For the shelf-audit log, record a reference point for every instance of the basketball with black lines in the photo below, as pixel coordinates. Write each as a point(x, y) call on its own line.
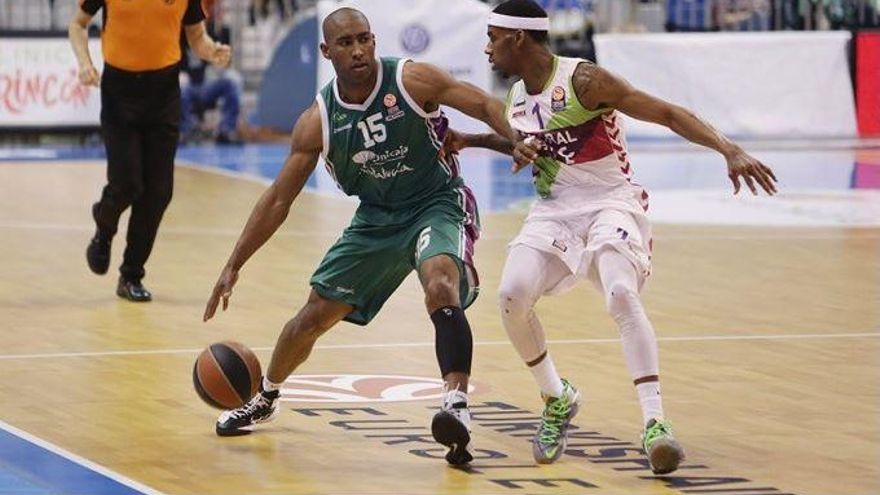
point(226, 375)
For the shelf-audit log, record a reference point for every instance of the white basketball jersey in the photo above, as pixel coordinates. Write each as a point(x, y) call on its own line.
point(584, 165)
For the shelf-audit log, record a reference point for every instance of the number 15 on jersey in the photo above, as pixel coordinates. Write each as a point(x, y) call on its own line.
point(373, 130)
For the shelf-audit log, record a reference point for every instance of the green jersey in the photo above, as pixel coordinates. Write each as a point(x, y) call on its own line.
point(385, 151)
point(414, 205)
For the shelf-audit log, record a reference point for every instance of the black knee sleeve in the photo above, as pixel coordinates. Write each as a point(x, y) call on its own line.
point(453, 341)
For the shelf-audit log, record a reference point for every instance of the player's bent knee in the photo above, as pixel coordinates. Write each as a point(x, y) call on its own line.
point(441, 290)
point(621, 299)
point(514, 302)
point(310, 323)
point(304, 327)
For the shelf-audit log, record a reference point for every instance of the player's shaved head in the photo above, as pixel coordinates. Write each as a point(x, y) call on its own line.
point(350, 46)
point(340, 17)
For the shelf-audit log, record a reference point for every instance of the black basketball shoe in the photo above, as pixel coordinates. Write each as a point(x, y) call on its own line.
point(261, 408)
point(452, 428)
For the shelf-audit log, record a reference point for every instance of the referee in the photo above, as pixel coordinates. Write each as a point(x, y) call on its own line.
point(140, 118)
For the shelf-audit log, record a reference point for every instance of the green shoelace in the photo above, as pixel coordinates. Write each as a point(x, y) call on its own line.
point(658, 430)
point(553, 418)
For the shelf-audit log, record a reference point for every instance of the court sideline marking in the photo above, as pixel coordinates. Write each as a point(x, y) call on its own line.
point(695, 338)
point(776, 235)
point(79, 461)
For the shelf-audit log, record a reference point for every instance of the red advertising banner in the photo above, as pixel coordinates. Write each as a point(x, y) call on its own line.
point(868, 83)
point(39, 86)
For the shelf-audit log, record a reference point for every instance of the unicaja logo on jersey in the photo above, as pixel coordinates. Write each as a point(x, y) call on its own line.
point(363, 157)
point(557, 99)
point(361, 388)
point(383, 166)
point(415, 39)
point(367, 157)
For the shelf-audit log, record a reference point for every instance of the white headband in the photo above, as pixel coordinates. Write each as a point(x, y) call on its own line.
point(512, 22)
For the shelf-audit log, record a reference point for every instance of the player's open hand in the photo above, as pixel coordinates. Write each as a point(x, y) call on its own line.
point(742, 165)
point(525, 152)
point(88, 75)
point(221, 56)
point(222, 290)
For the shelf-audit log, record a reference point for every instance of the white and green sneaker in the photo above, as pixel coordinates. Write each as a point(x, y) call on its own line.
point(549, 443)
point(663, 451)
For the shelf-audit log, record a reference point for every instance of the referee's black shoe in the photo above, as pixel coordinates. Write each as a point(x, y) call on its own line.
point(98, 255)
point(98, 252)
point(133, 290)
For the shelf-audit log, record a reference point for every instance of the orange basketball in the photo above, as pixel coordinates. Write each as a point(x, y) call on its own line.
point(226, 375)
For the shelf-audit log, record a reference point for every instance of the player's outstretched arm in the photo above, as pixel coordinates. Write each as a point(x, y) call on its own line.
point(597, 87)
point(456, 141)
point(431, 86)
point(523, 152)
point(273, 206)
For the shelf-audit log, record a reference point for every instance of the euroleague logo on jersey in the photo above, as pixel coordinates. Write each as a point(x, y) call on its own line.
point(557, 99)
point(362, 388)
point(393, 112)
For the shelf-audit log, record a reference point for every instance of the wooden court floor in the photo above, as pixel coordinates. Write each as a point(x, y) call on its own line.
point(769, 340)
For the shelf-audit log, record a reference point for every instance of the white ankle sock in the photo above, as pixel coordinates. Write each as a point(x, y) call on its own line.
point(269, 386)
point(650, 400)
point(547, 377)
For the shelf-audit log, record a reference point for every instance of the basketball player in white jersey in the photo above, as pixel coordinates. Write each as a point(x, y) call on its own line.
point(589, 220)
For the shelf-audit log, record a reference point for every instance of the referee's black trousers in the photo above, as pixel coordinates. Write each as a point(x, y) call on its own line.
point(140, 120)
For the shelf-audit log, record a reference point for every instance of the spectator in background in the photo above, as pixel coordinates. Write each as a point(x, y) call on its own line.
point(794, 15)
point(691, 15)
point(852, 14)
point(262, 7)
point(743, 15)
point(572, 27)
point(202, 88)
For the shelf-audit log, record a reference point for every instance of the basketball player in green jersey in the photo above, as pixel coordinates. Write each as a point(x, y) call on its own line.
point(589, 220)
point(379, 128)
